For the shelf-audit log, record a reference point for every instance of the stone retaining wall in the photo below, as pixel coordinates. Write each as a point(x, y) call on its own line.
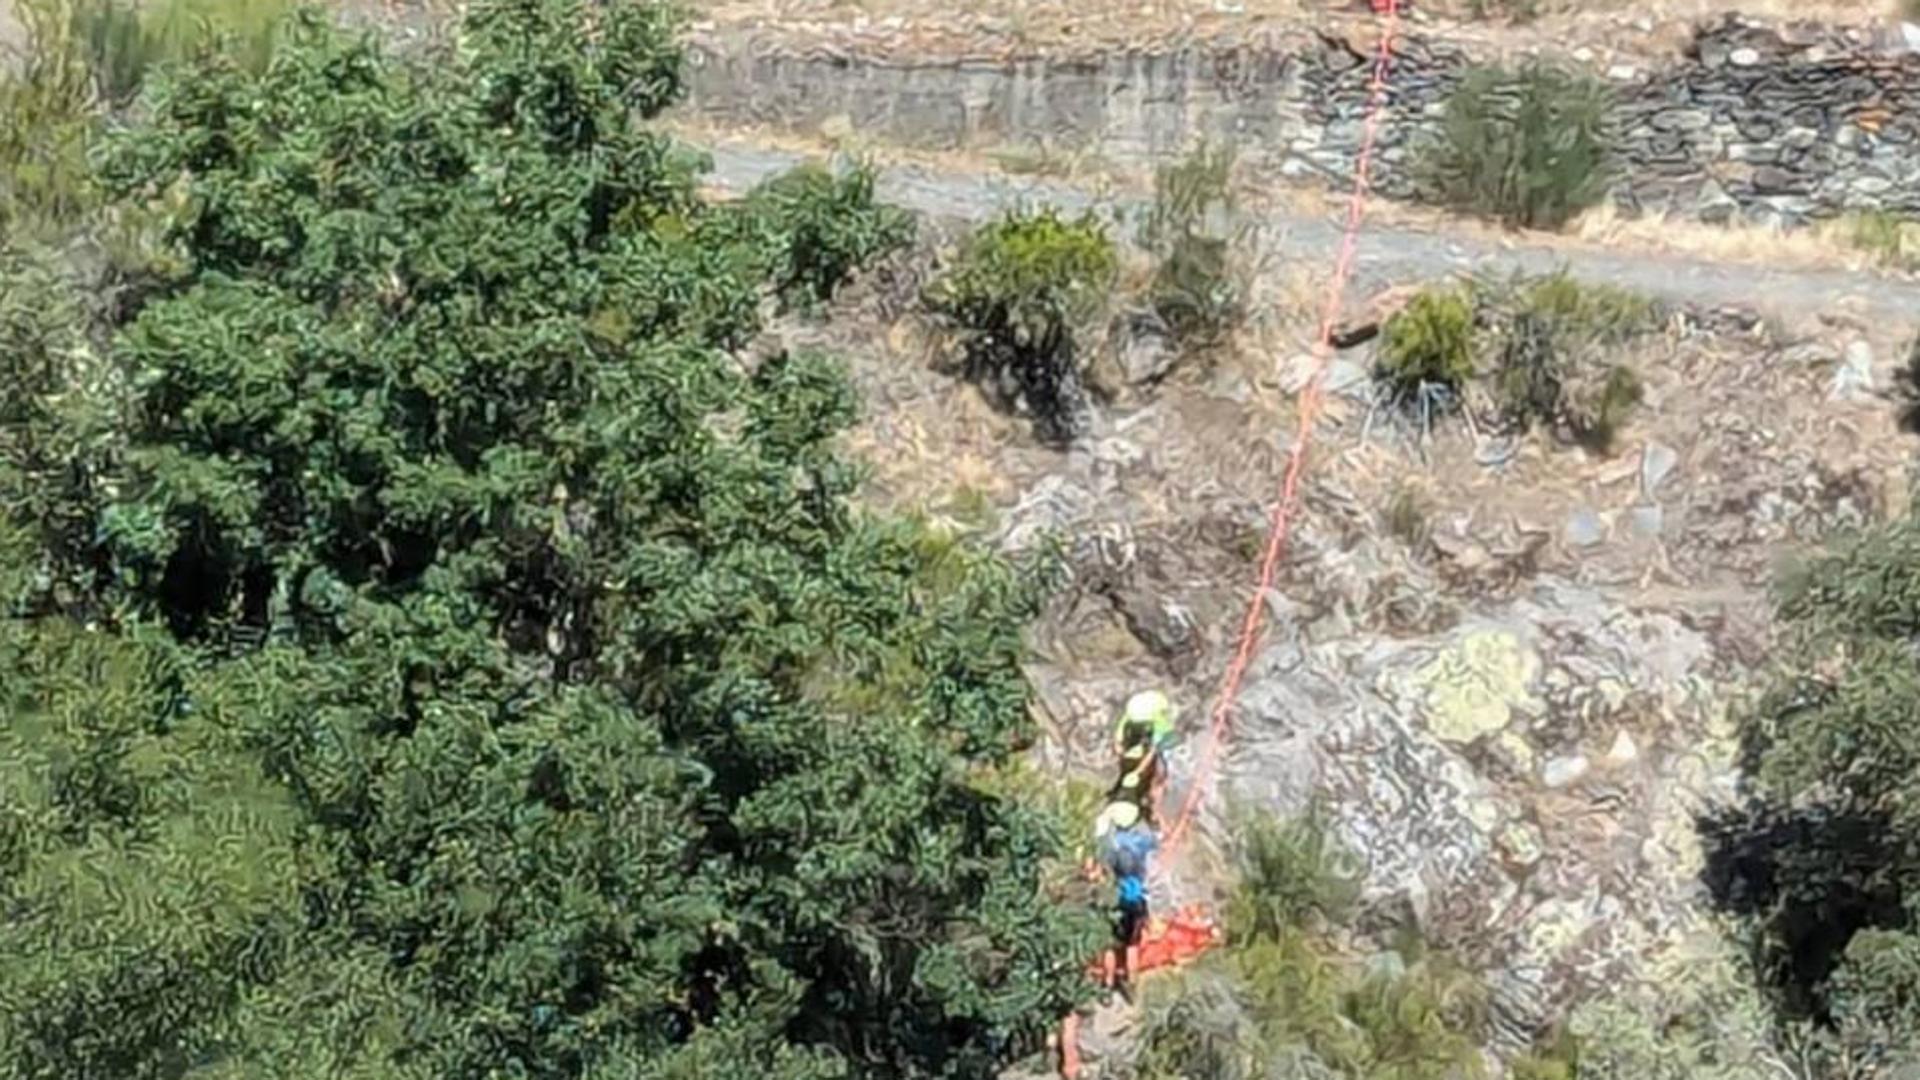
point(1766, 124)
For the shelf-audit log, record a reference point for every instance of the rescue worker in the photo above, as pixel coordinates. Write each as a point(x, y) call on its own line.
point(1140, 740)
point(1126, 844)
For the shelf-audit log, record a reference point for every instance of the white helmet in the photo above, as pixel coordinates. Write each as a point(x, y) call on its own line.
point(1117, 815)
point(1149, 706)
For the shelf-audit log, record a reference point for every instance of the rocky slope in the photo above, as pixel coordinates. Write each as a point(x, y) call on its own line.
point(1518, 708)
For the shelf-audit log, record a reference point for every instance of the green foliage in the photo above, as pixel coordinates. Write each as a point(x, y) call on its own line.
point(1285, 993)
point(1552, 363)
point(1559, 1059)
point(125, 42)
point(1597, 312)
point(1024, 289)
point(84, 57)
point(1198, 287)
point(1291, 874)
point(1430, 341)
point(48, 110)
point(1695, 1015)
point(489, 674)
point(1834, 750)
point(1529, 148)
point(827, 224)
point(150, 867)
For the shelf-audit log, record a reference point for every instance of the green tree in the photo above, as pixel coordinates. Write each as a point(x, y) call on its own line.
point(549, 710)
point(1829, 863)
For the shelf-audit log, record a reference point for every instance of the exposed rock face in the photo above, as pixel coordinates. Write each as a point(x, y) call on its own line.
point(1524, 785)
point(1770, 125)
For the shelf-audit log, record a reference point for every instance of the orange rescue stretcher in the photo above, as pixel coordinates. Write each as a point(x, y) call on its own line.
point(1164, 942)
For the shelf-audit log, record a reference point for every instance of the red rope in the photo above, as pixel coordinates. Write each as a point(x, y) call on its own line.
point(1283, 511)
point(1309, 406)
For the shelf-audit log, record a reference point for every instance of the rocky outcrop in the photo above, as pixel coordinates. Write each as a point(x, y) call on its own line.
point(1781, 125)
point(1523, 785)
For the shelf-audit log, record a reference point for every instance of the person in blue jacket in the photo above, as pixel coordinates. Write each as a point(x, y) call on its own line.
point(1126, 846)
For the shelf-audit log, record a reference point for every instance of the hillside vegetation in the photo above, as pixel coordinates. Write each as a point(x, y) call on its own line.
point(434, 648)
point(439, 635)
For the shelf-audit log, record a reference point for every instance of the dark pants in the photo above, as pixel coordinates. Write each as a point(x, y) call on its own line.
point(1127, 927)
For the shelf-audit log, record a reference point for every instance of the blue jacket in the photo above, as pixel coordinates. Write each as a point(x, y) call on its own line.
point(1127, 853)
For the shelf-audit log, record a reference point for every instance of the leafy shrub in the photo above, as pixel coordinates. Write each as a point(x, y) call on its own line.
point(1429, 342)
point(1024, 289)
point(1558, 1059)
point(1695, 1014)
point(1197, 287)
point(1551, 365)
point(1527, 148)
point(1595, 312)
point(826, 224)
point(1291, 874)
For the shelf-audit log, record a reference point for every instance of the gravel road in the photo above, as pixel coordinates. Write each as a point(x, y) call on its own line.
point(1389, 254)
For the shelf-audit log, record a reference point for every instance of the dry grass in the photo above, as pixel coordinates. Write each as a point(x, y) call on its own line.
point(1849, 243)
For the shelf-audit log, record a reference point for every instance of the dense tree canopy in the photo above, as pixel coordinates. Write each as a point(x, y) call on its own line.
point(436, 647)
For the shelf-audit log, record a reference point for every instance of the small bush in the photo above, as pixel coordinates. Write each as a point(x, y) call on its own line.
point(826, 225)
point(1429, 342)
point(1023, 291)
point(1290, 873)
point(1551, 363)
point(125, 46)
point(1285, 1001)
point(1556, 1059)
point(1599, 313)
point(1526, 148)
point(1197, 289)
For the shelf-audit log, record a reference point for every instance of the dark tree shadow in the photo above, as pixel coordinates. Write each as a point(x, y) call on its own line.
point(1809, 879)
point(1908, 390)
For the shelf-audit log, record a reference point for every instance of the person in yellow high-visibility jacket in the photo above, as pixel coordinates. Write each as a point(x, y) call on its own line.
point(1140, 739)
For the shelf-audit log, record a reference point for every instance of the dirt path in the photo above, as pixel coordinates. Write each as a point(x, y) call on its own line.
point(1391, 254)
